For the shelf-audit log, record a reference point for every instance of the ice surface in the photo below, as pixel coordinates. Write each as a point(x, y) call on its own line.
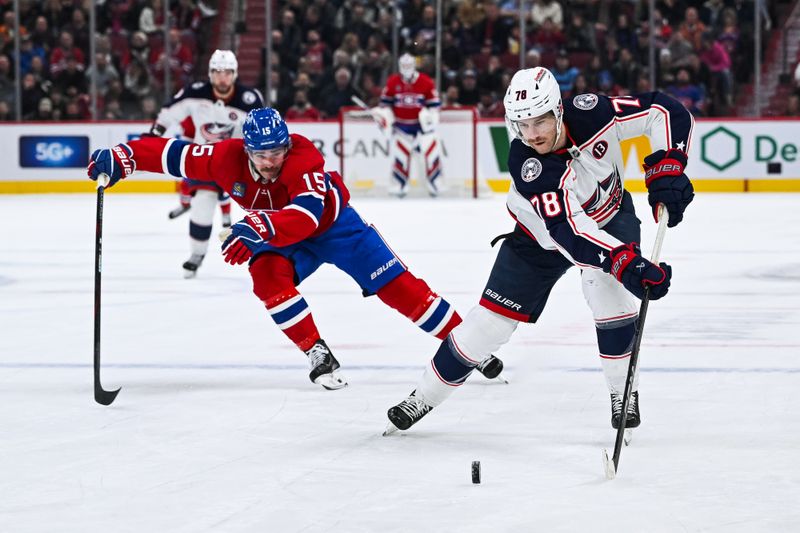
point(217, 427)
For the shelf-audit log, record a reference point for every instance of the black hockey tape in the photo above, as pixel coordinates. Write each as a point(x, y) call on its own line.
point(476, 472)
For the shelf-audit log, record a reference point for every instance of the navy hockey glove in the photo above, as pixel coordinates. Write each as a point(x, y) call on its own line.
point(635, 272)
point(116, 163)
point(246, 236)
point(667, 184)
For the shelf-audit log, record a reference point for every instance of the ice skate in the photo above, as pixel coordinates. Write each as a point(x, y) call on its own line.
point(633, 419)
point(191, 265)
point(178, 211)
point(491, 368)
point(324, 366)
point(406, 413)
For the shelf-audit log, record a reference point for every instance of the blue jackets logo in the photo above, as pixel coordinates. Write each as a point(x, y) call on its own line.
point(53, 151)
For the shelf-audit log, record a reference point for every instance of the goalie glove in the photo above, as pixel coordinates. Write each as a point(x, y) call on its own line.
point(246, 236)
point(116, 163)
point(428, 119)
point(667, 184)
point(384, 118)
point(635, 272)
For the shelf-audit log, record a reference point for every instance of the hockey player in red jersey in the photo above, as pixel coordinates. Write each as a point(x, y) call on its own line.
point(216, 109)
point(570, 207)
point(409, 115)
point(299, 217)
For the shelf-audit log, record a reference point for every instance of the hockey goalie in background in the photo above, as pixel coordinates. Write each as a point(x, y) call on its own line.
point(409, 115)
point(217, 108)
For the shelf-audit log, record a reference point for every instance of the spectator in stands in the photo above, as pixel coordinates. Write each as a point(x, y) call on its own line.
point(341, 59)
point(6, 79)
point(672, 10)
point(593, 71)
point(187, 15)
point(564, 73)
point(711, 14)
point(377, 59)
point(580, 86)
point(149, 108)
point(687, 93)
point(41, 35)
point(180, 62)
point(643, 84)
point(103, 72)
point(468, 92)
point(493, 31)
point(151, 17)
point(137, 82)
point(352, 48)
point(451, 97)
point(580, 36)
point(5, 112)
point(547, 9)
point(72, 78)
point(28, 51)
point(32, 92)
point(625, 34)
point(316, 54)
point(79, 29)
point(716, 58)
point(680, 50)
point(7, 32)
point(533, 58)
point(625, 71)
point(362, 26)
point(607, 86)
point(289, 45)
point(370, 91)
point(302, 108)
point(491, 79)
point(489, 106)
point(692, 28)
point(66, 48)
point(339, 94)
point(548, 38)
point(44, 110)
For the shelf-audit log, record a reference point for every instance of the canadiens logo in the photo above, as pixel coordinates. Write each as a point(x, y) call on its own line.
point(239, 189)
point(531, 169)
point(599, 149)
point(585, 101)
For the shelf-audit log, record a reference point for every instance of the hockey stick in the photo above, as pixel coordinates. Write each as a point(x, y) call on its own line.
point(359, 102)
point(611, 466)
point(101, 396)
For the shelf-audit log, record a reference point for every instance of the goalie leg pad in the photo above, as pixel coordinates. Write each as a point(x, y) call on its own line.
point(402, 150)
point(412, 297)
point(431, 154)
point(273, 284)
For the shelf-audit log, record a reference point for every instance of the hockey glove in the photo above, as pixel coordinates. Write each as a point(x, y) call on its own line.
point(246, 236)
point(116, 163)
point(635, 272)
point(667, 184)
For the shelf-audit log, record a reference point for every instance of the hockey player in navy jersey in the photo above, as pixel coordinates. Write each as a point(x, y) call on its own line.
point(299, 217)
point(217, 109)
point(570, 207)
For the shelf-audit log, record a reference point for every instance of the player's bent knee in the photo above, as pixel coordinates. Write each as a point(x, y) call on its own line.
point(272, 274)
point(481, 333)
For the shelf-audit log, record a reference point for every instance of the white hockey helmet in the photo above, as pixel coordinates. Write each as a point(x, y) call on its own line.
point(407, 65)
point(223, 60)
point(533, 92)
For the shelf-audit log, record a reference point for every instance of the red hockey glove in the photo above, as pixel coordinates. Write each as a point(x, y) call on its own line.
point(667, 184)
point(635, 272)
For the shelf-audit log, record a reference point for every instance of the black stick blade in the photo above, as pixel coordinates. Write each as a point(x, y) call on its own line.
point(104, 397)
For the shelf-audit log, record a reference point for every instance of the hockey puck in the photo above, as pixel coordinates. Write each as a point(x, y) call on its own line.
point(476, 472)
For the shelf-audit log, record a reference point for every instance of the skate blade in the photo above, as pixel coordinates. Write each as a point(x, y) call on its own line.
point(332, 381)
point(608, 466)
point(189, 274)
point(501, 378)
point(390, 428)
point(627, 437)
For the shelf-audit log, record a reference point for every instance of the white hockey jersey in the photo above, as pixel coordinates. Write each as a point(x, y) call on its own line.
point(563, 199)
point(214, 120)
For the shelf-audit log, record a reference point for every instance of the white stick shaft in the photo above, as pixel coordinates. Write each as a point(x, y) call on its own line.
point(663, 218)
point(359, 102)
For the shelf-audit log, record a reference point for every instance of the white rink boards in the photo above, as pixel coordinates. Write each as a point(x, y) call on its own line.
point(217, 427)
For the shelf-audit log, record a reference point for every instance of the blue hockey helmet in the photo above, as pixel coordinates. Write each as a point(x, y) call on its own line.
point(264, 129)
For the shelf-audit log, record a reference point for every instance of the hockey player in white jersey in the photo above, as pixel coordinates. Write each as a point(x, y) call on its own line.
point(570, 207)
point(217, 108)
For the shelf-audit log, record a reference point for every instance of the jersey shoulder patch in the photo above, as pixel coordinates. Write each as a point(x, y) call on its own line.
point(586, 114)
point(534, 173)
point(247, 98)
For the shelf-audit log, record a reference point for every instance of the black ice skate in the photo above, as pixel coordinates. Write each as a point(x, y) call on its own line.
point(178, 211)
point(633, 419)
point(324, 366)
point(406, 413)
point(491, 367)
point(191, 265)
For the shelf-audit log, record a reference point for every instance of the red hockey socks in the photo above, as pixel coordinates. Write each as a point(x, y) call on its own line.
point(413, 298)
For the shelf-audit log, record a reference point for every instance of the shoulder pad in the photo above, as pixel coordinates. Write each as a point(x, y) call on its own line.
point(534, 173)
point(586, 114)
point(246, 98)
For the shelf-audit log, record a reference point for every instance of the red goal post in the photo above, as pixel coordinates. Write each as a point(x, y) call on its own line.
point(366, 163)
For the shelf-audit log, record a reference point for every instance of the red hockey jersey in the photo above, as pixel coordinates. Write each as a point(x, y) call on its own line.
point(302, 202)
point(406, 99)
